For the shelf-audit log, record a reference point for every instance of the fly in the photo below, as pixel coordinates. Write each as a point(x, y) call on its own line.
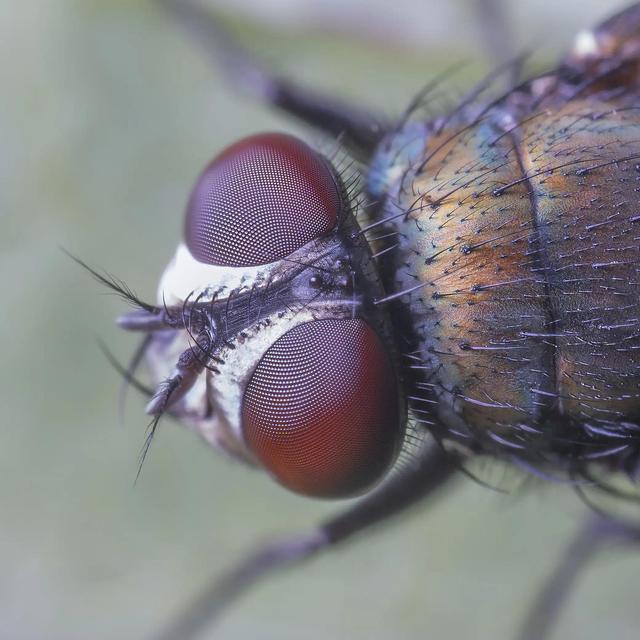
point(479, 296)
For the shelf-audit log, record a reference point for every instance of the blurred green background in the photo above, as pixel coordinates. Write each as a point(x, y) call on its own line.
point(108, 114)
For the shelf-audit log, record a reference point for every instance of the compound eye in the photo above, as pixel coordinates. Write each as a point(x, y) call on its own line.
point(259, 201)
point(321, 411)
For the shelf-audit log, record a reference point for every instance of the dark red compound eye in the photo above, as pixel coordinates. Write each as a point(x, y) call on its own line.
point(321, 410)
point(259, 201)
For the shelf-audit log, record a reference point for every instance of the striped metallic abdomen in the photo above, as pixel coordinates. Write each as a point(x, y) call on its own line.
point(520, 254)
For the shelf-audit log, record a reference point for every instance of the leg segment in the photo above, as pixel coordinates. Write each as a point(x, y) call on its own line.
point(421, 479)
point(358, 130)
point(548, 605)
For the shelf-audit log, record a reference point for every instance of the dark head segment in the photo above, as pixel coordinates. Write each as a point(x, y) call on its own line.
point(259, 201)
point(321, 410)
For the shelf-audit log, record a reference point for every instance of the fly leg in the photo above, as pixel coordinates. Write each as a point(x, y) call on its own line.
point(421, 479)
point(592, 536)
point(359, 130)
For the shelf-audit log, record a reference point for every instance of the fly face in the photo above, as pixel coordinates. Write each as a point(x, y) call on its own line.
point(274, 349)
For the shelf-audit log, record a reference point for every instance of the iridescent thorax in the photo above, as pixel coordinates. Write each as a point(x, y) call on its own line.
point(518, 252)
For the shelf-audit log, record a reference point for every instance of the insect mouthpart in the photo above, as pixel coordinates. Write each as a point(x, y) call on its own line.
point(266, 339)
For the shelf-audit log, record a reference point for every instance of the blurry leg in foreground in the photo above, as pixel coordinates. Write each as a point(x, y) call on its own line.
point(416, 481)
point(359, 130)
point(595, 532)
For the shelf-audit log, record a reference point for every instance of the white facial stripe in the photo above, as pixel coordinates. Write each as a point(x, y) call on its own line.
point(227, 388)
point(185, 276)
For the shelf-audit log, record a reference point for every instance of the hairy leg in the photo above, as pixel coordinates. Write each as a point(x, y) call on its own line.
point(359, 130)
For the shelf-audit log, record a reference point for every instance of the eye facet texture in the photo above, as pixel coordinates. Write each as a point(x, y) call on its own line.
point(260, 200)
point(321, 409)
